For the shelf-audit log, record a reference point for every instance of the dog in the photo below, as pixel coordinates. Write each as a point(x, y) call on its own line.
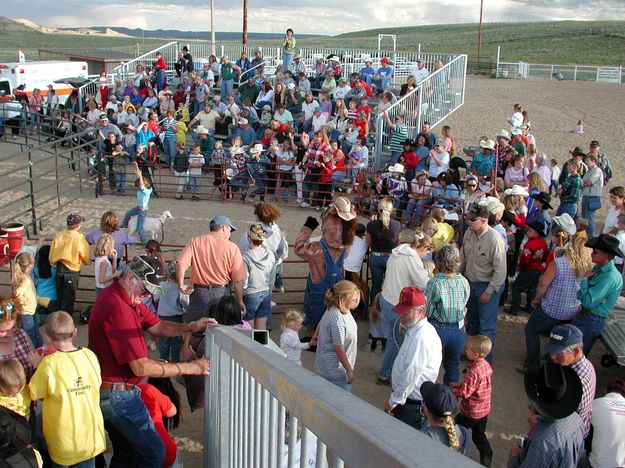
point(150, 225)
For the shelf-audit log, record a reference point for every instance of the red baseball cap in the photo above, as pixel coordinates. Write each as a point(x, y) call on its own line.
point(384, 60)
point(409, 298)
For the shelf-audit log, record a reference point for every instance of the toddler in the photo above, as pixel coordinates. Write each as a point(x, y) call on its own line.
point(581, 226)
point(475, 393)
point(289, 339)
point(68, 381)
point(105, 270)
point(13, 391)
point(378, 328)
point(171, 305)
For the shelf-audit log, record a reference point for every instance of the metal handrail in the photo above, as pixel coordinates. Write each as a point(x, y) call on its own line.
point(81, 92)
point(261, 64)
point(249, 391)
point(117, 70)
point(415, 96)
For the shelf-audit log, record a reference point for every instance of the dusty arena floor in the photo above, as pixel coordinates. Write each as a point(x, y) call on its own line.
point(554, 107)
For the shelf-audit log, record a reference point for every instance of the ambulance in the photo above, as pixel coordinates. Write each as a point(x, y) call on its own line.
point(39, 75)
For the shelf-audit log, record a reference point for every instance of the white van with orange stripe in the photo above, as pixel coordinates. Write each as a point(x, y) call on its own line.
point(41, 74)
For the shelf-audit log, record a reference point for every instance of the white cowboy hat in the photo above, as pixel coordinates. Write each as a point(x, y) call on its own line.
point(503, 134)
point(487, 144)
point(243, 121)
point(517, 190)
point(343, 208)
point(565, 222)
point(396, 168)
point(517, 131)
point(236, 150)
point(201, 130)
point(257, 148)
point(334, 58)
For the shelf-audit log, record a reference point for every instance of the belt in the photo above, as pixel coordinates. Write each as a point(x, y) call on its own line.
point(381, 254)
point(210, 286)
point(117, 386)
point(410, 401)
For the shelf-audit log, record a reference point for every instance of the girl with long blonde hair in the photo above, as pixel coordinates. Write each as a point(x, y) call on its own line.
point(25, 294)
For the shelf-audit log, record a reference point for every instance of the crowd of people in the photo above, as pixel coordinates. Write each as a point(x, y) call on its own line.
point(482, 236)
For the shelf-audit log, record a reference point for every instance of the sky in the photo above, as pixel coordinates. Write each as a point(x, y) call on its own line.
point(303, 16)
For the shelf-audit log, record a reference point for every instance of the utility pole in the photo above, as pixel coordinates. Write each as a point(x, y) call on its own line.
point(213, 24)
point(244, 24)
point(479, 36)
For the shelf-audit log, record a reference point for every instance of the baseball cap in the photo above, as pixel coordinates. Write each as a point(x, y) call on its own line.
point(594, 143)
point(563, 336)
point(478, 212)
point(439, 399)
point(221, 220)
point(73, 219)
point(149, 270)
point(409, 298)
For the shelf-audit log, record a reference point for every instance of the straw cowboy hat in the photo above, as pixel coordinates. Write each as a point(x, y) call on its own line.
point(201, 130)
point(343, 208)
point(503, 134)
point(555, 391)
point(487, 144)
point(517, 190)
point(396, 168)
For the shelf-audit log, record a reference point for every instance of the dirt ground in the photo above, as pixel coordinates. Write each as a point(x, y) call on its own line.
point(554, 107)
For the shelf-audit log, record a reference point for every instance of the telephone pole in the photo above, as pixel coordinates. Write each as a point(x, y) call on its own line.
point(244, 24)
point(479, 37)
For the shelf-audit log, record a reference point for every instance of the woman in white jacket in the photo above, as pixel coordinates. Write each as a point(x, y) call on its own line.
point(404, 268)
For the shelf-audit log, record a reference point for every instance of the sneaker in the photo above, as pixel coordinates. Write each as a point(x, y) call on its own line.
point(382, 381)
point(305, 205)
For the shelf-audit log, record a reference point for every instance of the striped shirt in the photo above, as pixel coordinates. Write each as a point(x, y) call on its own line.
point(476, 390)
point(169, 127)
point(335, 329)
point(398, 136)
point(560, 299)
point(447, 297)
point(588, 376)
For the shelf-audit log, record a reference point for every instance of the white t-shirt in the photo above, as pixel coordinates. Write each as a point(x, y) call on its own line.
point(195, 159)
point(545, 174)
point(515, 121)
point(555, 173)
point(608, 421)
point(434, 170)
point(621, 239)
point(341, 91)
point(108, 272)
point(357, 252)
point(292, 346)
point(420, 75)
point(611, 219)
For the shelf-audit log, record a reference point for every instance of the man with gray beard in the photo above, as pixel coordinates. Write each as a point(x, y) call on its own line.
point(418, 360)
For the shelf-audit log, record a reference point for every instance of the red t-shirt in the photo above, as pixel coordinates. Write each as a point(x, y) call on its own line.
point(409, 159)
point(157, 405)
point(366, 109)
point(161, 64)
point(116, 329)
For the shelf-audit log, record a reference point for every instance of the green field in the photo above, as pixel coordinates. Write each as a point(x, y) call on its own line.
point(564, 42)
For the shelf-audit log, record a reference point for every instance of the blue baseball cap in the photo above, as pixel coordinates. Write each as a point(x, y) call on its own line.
point(439, 399)
point(563, 336)
point(221, 220)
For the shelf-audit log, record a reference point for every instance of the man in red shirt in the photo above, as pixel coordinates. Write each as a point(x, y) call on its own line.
point(160, 66)
point(116, 335)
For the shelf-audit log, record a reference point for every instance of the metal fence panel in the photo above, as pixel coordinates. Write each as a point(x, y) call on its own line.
point(318, 412)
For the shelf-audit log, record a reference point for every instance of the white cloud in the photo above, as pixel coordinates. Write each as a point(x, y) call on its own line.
point(326, 17)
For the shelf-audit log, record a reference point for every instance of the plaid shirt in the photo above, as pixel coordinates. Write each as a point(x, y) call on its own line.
point(587, 375)
point(316, 153)
point(476, 390)
point(572, 189)
point(447, 297)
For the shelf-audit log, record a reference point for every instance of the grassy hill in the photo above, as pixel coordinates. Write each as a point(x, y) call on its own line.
point(574, 42)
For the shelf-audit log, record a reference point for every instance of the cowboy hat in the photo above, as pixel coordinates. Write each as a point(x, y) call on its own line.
point(343, 208)
point(149, 270)
point(396, 168)
point(487, 144)
point(577, 151)
point(234, 150)
point(565, 222)
point(257, 148)
point(334, 58)
point(555, 391)
point(409, 141)
point(538, 227)
point(605, 243)
point(544, 198)
point(503, 134)
point(517, 190)
point(201, 129)
point(517, 131)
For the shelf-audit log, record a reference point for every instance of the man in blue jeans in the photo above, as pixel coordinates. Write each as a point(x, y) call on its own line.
point(116, 335)
point(483, 258)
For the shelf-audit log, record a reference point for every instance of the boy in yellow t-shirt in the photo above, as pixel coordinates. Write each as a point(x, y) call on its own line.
point(13, 392)
point(68, 381)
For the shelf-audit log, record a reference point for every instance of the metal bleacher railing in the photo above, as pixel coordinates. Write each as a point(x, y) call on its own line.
point(262, 410)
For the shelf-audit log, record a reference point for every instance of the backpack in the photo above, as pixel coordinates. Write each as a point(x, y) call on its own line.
point(181, 162)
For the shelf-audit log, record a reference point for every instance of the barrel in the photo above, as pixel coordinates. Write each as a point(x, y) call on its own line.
point(4, 248)
point(15, 237)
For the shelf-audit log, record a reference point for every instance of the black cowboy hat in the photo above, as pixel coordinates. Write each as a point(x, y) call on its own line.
point(554, 390)
point(538, 227)
point(577, 151)
point(409, 141)
point(605, 243)
point(544, 198)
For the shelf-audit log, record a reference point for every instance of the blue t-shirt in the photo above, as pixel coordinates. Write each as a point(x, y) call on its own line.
point(143, 197)
point(46, 287)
